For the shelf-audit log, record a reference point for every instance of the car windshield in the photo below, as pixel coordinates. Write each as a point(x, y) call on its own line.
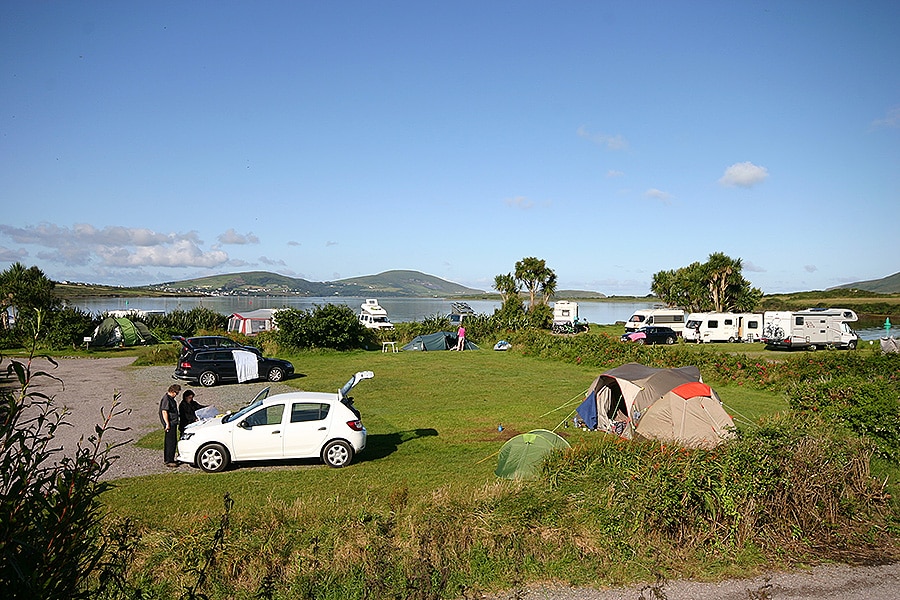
point(243, 411)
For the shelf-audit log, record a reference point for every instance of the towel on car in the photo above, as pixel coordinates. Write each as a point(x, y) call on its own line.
point(247, 365)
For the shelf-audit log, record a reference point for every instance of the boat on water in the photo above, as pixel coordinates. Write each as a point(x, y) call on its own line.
point(373, 316)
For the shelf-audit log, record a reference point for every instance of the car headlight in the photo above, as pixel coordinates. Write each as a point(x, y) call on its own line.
point(187, 435)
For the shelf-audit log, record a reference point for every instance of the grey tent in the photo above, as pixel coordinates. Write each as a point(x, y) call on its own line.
point(620, 399)
point(442, 340)
point(121, 331)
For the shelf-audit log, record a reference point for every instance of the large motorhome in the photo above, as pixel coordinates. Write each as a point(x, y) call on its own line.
point(660, 317)
point(723, 327)
point(373, 316)
point(811, 328)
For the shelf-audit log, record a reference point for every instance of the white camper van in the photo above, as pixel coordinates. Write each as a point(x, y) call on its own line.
point(811, 328)
point(373, 316)
point(723, 327)
point(660, 317)
point(565, 317)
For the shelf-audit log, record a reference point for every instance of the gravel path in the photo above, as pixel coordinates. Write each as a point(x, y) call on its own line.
point(87, 388)
point(88, 385)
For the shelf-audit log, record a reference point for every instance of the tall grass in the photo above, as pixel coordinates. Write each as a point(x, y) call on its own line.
point(420, 513)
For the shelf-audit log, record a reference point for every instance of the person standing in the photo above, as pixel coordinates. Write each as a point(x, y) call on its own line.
point(187, 410)
point(168, 416)
point(461, 338)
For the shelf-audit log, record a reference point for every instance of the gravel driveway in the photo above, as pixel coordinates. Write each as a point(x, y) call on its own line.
point(88, 386)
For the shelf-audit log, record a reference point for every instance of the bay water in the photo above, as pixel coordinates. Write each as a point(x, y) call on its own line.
point(400, 310)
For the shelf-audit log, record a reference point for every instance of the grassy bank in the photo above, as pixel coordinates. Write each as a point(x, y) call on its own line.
point(420, 513)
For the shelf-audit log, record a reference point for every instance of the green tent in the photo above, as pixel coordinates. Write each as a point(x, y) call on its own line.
point(121, 331)
point(521, 456)
point(442, 340)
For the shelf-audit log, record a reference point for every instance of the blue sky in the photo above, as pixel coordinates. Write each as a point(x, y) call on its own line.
point(158, 141)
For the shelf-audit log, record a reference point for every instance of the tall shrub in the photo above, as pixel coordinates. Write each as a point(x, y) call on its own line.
point(52, 543)
point(324, 326)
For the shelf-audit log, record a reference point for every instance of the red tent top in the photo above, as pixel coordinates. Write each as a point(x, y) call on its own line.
point(693, 388)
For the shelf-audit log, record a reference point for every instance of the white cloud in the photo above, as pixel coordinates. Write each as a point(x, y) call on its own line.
point(10, 255)
point(114, 246)
point(233, 237)
point(182, 253)
point(610, 142)
point(744, 174)
point(520, 202)
point(810, 268)
point(293, 243)
point(891, 119)
point(749, 266)
point(658, 195)
point(614, 173)
point(271, 263)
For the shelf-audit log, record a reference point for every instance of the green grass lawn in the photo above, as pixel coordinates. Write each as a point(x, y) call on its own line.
point(433, 421)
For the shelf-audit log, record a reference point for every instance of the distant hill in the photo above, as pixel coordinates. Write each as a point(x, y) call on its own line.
point(885, 285)
point(577, 295)
point(389, 283)
point(409, 283)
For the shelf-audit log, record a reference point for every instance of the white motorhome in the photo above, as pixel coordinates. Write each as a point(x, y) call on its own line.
point(565, 317)
point(723, 327)
point(373, 316)
point(811, 328)
point(660, 317)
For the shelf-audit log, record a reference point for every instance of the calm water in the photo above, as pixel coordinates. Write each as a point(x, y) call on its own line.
point(400, 310)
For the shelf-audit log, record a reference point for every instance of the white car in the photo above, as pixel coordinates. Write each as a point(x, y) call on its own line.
point(292, 425)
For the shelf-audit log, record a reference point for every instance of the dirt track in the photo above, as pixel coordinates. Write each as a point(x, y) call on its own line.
point(88, 385)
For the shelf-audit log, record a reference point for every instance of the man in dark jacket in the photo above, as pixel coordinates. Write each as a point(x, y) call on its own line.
point(168, 416)
point(187, 410)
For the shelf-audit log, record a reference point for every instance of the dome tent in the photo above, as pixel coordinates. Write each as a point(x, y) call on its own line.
point(690, 414)
point(620, 399)
point(442, 340)
point(521, 456)
point(121, 331)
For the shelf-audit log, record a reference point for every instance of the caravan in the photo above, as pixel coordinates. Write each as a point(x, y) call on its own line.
point(723, 327)
point(811, 328)
point(660, 317)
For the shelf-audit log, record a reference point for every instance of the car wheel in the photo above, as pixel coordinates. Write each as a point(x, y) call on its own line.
point(812, 348)
point(640, 341)
point(731, 340)
point(337, 454)
point(208, 379)
point(213, 458)
point(276, 374)
point(851, 345)
point(670, 340)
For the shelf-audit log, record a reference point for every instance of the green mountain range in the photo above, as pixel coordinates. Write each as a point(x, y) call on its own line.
point(885, 285)
point(389, 283)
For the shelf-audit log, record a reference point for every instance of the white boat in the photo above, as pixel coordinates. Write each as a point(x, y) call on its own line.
point(373, 316)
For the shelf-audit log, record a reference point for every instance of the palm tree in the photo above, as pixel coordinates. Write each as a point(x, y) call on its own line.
point(535, 277)
point(507, 286)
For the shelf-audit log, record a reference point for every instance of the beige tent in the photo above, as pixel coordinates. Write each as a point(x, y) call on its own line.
point(619, 399)
point(690, 414)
